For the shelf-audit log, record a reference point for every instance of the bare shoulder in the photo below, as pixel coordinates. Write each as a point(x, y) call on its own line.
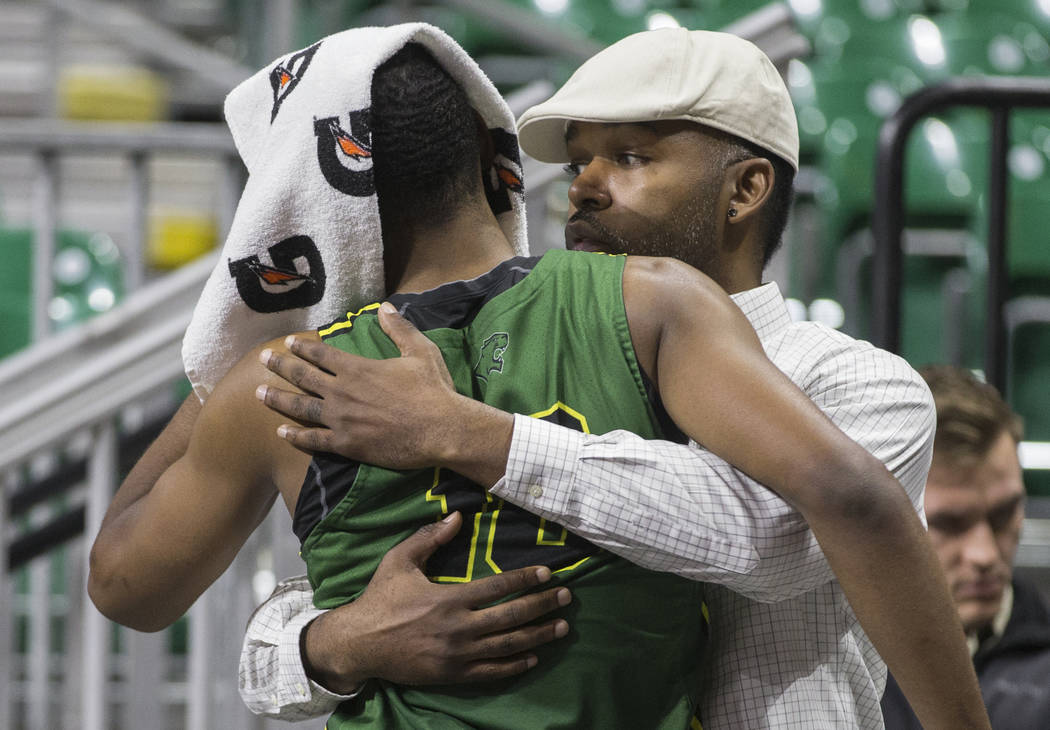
point(236, 424)
point(656, 293)
point(661, 270)
point(250, 372)
point(660, 289)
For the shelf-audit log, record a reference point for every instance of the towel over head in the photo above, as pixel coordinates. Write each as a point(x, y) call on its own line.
point(305, 246)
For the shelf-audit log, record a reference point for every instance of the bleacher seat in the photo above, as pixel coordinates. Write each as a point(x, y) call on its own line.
point(87, 277)
point(118, 93)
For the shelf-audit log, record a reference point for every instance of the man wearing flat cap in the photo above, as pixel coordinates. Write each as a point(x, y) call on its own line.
point(685, 144)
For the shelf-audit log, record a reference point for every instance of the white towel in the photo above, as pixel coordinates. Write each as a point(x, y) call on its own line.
point(305, 245)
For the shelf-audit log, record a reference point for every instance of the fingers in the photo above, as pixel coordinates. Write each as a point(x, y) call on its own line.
point(522, 610)
point(301, 407)
point(487, 671)
point(299, 373)
point(310, 440)
point(408, 339)
point(318, 353)
point(507, 654)
point(497, 587)
point(519, 641)
point(428, 538)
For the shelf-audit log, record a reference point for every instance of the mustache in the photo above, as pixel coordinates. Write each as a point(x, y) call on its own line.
point(607, 234)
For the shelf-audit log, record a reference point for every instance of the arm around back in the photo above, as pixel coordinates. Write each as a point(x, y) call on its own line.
point(722, 391)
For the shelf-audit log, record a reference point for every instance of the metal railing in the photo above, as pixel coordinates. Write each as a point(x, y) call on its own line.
point(1000, 95)
point(49, 140)
point(79, 382)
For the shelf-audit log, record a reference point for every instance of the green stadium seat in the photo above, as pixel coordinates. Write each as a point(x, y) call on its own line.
point(87, 276)
point(928, 334)
point(1028, 218)
point(990, 42)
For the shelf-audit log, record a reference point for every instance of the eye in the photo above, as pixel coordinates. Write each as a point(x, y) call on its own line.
point(573, 169)
point(629, 159)
point(1001, 518)
point(948, 524)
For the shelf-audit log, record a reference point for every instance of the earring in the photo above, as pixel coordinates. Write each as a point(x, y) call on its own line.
point(732, 212)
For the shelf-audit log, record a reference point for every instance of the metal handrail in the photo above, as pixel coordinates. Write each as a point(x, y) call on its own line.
point(50, 139)
point(1000, 95)
point(61, 136)
point(85, 375)
point(154, 41)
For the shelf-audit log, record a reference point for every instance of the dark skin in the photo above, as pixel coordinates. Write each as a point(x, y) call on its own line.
point(630, 179)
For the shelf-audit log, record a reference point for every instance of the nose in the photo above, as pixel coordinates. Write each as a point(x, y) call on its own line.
point(981, 549)
point(590, 190)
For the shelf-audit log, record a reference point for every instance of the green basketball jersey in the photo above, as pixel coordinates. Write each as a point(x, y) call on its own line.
point(545, 337)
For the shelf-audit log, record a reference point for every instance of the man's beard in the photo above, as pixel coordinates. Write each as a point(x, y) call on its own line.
point(687, 235)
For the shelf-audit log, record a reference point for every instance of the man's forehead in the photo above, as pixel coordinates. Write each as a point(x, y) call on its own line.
point(961, 491)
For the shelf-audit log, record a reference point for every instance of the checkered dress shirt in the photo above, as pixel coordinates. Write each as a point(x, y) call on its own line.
point(785, 650)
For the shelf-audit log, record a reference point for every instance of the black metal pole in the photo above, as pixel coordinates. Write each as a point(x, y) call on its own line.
point(998, 284)
point(887, 226)
point(998, 93)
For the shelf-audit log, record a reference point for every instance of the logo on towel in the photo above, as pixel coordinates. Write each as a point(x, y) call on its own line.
point(345, 153)
point(505, 176)
point(287, 74)
point(294, 279)
point(490, 360)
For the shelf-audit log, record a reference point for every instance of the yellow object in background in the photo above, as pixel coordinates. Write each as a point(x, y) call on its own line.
point(178, 239)
point(112, 93)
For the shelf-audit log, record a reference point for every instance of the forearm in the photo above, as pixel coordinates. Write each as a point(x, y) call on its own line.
point(893, 581)
point(342, 671)
point(664, 506)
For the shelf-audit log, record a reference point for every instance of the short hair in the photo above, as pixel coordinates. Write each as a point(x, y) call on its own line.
point(971, 415)
point(426, 154)
point(777, 209)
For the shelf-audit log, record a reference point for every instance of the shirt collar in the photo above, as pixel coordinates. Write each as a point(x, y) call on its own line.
point(764, 307)
point(1006, 607)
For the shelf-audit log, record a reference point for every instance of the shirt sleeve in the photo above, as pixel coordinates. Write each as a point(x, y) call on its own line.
point(681, 509)
point(271, 677)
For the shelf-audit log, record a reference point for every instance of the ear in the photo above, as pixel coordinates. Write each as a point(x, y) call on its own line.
point(753, 185)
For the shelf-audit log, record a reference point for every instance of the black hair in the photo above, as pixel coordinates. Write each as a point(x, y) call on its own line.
point(971, 416)
point(424, 139)
point(777, 209)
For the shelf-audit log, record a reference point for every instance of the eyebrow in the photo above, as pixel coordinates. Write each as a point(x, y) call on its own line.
point(1005, 505)
point(1008, 504)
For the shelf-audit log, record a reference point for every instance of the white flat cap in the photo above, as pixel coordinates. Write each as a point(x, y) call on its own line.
point(715, 79)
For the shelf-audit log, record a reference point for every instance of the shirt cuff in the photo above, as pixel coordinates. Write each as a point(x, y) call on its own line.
point(293, 683)
point(540, 465)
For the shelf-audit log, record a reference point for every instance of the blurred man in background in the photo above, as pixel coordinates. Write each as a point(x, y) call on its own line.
point(975, 507)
